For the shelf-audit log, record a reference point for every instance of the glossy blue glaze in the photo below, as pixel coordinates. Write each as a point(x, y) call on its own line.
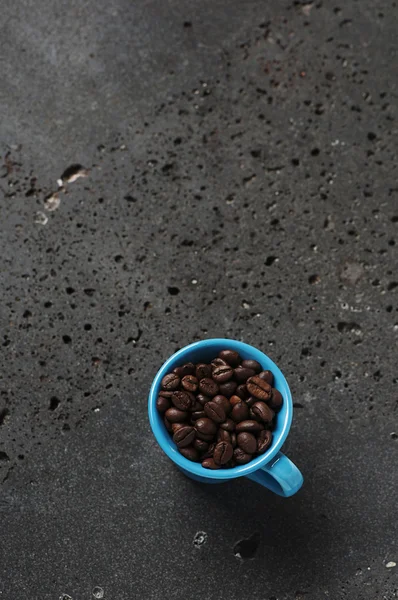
point(272, 469)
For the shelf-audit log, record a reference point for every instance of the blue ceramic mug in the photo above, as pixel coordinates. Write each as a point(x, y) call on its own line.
point(272, 469)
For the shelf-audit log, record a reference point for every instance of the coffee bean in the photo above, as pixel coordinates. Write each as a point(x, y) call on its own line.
point(228, 388)
point(250, 401)
point(262, 412)
point(190, 453)
point(267, 376)
point(276, 399)
point(223, 436)
point(241, 457)
point(187, 369)
point(200, 445)
point(170, 382)
point(252, 364)
point(181, 400)
point(165, 394)
point(242, 392)
point(231, 357)
point(247, 442)
point(214, 411)
point(209, 463)
point(167, 424)
point(235, 400)
point(184, 436)
point(208, 387)
point(189, 383)
point(202, 399)
point(223, 373)
point(162, 404)
point(176, 426)
point(198, 414)
point(222, 453)
point(218, 362)
point(224, 402)
point(202, 371)
point(259, 388)
point(240, 412)
point(242, 374)
point(234, 440)
point(264, 441)
point(196, 406)
point(205, 426)
point(249, 425)
point(209, 452)
point(228, 425)
point(174, 415)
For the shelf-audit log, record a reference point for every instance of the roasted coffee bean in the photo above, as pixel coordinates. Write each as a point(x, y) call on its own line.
point(200, 445)
point(241, 457)
point(162, 404)
point(218, 362)
point(176, 426)
point(249, 425)
point(209, 452)
point(196, 406)
point(167, 424)
point(235, 400)
point(276, 400)
point(202, 399)
point(228, 389)
point(259, 388)
point(204, 436)
point(228, 425)
point(184, 436)
point(174, 415)
point(182, 400)
point(230, 356)
point(262, 412)
point(234, 440)
point(197, 414)
point(208, 387)
point(264, 441)
point(250, 401)
point(224, 402)
point(240, 412)
point(267, 376)
point(214, 411)
point(165, 393)
point(209, 463)
point(223, 373)
point(190, 453)
point(187, 369)
point(241, 391)
point(252, 364)
point(189, 383)
point(170, 382)
point(223, 436)
point(202, 371)
point(206, 426)
point(242, 374)
point(247, 442)
point(223, 453)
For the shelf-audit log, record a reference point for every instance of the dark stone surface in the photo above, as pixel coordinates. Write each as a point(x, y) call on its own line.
point(243, 183)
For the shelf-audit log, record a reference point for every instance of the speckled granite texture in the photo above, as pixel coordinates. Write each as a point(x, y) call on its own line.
point(242, 182)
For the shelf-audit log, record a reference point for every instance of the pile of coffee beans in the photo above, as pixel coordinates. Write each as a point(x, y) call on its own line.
point(220, 414)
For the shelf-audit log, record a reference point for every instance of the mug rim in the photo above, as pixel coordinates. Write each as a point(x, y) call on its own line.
point(168, 446)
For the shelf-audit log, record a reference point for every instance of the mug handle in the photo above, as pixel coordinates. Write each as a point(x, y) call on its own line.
point(280, 475)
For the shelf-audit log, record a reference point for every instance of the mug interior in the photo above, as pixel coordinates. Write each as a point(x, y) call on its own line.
point(205, 351)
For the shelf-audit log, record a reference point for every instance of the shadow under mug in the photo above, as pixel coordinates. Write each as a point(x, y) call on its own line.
point(272, 469)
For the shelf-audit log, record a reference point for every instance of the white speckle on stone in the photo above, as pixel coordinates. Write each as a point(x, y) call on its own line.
point(60, 183)
point(395, 327)
point(335, 143)
point(41, 218)
point(52, 202)
point(65, 597)
point(98, 592)
point(194, 281)
point(96, 409)
point(245, 305)
point(391, 564)
point(200, 539)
